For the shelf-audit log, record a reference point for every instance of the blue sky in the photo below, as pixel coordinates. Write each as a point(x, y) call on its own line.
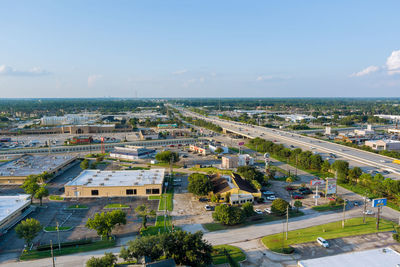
point(199, 48)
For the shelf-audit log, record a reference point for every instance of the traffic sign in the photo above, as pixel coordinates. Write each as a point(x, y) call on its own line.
point(379, 202)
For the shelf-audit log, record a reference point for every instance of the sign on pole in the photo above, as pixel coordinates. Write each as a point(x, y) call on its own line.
point(330, 186)
point(241, 143)
point(379, 202)
point(266, 156)
point(316, 182)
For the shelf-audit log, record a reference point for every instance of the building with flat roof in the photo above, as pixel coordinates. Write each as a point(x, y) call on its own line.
point(230, 162)
point(381, 257)
point(132, 153)
point(148, 134)
point(198, 149)
point(16, 171)
point(13, 209)
point(96, 183)
point(389, 145)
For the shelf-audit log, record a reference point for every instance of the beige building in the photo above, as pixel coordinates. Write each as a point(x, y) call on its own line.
point(389, 145)
point(12, 210)
point(96, 183)
point(16, 171)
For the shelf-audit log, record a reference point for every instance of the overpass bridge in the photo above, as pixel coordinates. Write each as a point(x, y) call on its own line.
point(97, 147)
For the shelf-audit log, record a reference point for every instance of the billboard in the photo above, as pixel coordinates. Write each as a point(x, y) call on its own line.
point(241, 143)
point(316, 182)
point(330, 186)
point(379, 202)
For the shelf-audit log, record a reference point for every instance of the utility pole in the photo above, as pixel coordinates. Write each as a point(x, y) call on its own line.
point(378, 218)
point(287, 221)
point(365, 209)
point(344, 212)
point(58, 235)
point(52, 254)
point(316, 196)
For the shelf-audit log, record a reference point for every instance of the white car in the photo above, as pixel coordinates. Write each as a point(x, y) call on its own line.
point(268, 210)
point(368, 212)
point(271, 197)
point(258, 211)
point(383, 161)
point(207, 207)
point(323, 242)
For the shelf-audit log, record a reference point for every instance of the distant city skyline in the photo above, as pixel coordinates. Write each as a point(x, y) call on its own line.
point(173, 49)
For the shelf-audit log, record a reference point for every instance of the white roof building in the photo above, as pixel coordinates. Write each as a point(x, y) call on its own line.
point(381, 257)
point(11, 207)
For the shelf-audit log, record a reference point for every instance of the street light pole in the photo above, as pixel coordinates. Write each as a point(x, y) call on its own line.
point(344, 212)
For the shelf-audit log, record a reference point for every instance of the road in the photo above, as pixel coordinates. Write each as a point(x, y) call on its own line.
point(364, 158)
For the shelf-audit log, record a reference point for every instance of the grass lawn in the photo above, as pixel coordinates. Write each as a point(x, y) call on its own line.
point(220, 251)
point(166, 164)
point(211, 169)
point(54, 228)
point(116, 206)
point(154, 197)
point(159, 226)
point(78, 206)
point(34, 254)
point(327, 207)
point(216, 226)
point(234, 149)
point(332, 230)
point(57, 198)
point(166, 201)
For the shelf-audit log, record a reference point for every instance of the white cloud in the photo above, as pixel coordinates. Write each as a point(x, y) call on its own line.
point(179, 72)
point(194, 81)
point(273, 77)
point(365, 71)
point(92, 79)
point(10, 71)
point(393, 63)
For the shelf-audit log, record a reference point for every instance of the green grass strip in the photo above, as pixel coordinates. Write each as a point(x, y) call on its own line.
point(116, 206)
point(219, 254)
point(353, 227)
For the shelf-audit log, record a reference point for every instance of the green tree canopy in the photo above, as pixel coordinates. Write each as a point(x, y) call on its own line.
point(41, 193)
point(228, 215)
point(167, 156)
point(279, 206)
point(28, 229)
point(144, 212)
point(199, 184)
point(103, 223)
point(248, 209)
point(108, 260)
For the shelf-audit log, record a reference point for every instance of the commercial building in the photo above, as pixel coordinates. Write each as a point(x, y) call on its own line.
point(240, 190)
point(12, 210)
point(365, 132)
point(16, 171)
point(297, 117)
point(389, 145)
point(230, 162)
point(96, 183)
point(394, 131)
point(198, 149)
point(380, 257)
point(69, 119)
point(212, 148)
point(132, 153)
point(81, 140)
point(148, 134)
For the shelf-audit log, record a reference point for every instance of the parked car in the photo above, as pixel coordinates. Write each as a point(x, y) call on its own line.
point(258, 211)
point(290, 188)
point(268, 210)
point(296, 195)
point(305, 191)
point(368, 212)
point(271, 197)
point(355, 203)
point(208, 207)
point(323, 242)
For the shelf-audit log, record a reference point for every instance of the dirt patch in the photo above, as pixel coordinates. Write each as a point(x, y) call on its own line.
point(189, 210)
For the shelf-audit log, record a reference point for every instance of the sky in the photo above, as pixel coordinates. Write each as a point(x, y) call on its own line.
point(198, 48)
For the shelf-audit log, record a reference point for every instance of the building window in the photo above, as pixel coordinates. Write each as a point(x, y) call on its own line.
point(148, 191)
point(95, 192)
point(129, 191)
point(155, 191)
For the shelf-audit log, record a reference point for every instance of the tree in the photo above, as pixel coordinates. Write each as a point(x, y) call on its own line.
point(109, 259)
point(279, 206)
point(251, 173)
point(248, 209)
point(228, 215)
point(103, 223)
point(298, 204)
point(85, 164)
point(28, 229)
point(219, 150)
point(199, 184)
point(31, 185)
point(325, 166)
point(341, 168)
point(41, 193)
point(149, 246)
point(187, 248)
point(167, 156)
point(144, 212)
point(289, 180)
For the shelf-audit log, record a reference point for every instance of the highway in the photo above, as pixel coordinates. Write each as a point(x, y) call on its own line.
point(364, 158)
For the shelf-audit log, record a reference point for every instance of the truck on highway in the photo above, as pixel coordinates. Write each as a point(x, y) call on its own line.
point(397, 161)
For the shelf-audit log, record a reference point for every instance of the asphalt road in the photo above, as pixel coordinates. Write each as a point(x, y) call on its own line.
point(362, 157)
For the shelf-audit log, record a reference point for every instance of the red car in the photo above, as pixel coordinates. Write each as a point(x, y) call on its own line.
point(297, 196)
point(171, 146)
point(332, 198)
point(289, 188)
